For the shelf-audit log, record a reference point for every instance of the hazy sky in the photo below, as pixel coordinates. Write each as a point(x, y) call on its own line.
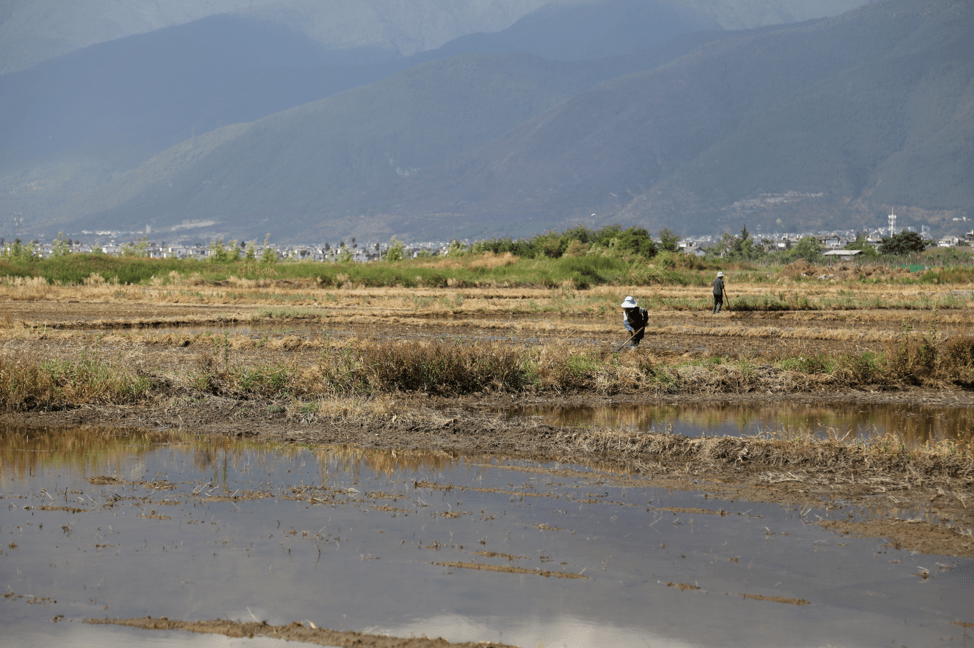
point(32, 31)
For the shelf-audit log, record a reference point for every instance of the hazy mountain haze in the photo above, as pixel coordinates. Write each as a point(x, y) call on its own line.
point(32, 31)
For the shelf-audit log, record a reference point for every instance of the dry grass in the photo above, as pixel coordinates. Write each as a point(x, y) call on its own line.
point(267, 290)
point(543, 339)
point(309, 368)
point(26, 384)
point(488, 261)
point(789, 454)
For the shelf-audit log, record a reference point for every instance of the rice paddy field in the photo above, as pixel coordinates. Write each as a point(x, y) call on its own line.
point(827, 408)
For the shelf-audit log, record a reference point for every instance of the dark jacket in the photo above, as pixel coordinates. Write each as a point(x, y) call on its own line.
point(635, 319)
point(718, 286)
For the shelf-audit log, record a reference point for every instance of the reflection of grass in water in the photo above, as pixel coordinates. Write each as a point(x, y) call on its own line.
point(285, 313)
point(109, 451)
point(886, 443)
point(914, 427)
point(25, 449)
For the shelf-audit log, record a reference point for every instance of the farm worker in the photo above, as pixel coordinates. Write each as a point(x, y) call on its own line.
point(719, 292)
point(635, 319)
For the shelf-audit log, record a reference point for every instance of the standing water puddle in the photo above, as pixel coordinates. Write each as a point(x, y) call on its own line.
point(111, 524)
point(912, 425)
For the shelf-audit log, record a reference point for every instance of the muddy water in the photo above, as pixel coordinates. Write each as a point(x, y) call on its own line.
point(912, 425)
point(102, 523)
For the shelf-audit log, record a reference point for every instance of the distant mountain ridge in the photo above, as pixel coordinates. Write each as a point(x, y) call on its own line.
point(75, 123)
point(126, 100)
point(33, 31)
point(824, 124)
point(352, 145)
point(820, 125)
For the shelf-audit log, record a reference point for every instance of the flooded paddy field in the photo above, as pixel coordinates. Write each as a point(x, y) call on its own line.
point(911, 424)
point(109, 524)
point(723, 512)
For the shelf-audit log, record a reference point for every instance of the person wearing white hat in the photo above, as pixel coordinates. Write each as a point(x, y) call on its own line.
point(634, 319)
point(719, 292)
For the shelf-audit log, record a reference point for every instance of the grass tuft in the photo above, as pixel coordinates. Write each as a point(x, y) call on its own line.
point(58, 384)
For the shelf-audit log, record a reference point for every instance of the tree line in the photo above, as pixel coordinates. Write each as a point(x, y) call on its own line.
point(616, 241)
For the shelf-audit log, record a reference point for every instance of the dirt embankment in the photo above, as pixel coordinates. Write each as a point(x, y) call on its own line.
point(308, 634)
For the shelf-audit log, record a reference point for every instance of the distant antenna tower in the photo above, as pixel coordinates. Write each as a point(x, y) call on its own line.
point(892, 223)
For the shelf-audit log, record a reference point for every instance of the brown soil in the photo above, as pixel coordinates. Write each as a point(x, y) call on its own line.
point(293, 632)
point(829, 475)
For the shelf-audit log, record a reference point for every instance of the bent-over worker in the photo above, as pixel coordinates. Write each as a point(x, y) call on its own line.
point(635, 320)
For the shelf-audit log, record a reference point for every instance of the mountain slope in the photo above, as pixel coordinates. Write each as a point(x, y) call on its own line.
point(33, 31)
point(587, 31)
point(740, 130)
point(818, 125)
point(350, 148)
point(893, 130)
point(70, 125)
point(126, 100)
point(347, 146)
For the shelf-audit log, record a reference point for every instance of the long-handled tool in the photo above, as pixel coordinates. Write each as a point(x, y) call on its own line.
point(630, 339)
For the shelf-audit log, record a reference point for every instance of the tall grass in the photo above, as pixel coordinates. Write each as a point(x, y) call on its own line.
point(455, 368)
point(366, 368)
point(58, 384)
point(443, 367)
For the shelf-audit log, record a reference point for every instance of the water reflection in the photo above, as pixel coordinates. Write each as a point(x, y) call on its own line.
point(913, 425)
point(105, 523)
point(23, 450)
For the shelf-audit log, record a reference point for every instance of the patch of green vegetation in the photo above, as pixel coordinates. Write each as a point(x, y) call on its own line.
point(818, 364)
point(266, 382)
point(60, 383)
point(576, 259)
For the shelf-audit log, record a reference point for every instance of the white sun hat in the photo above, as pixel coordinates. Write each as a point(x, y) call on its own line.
point(629, 303)
point(720, 274)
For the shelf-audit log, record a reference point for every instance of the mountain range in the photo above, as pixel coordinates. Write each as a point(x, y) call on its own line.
point(33, 31)
point(648, 113)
